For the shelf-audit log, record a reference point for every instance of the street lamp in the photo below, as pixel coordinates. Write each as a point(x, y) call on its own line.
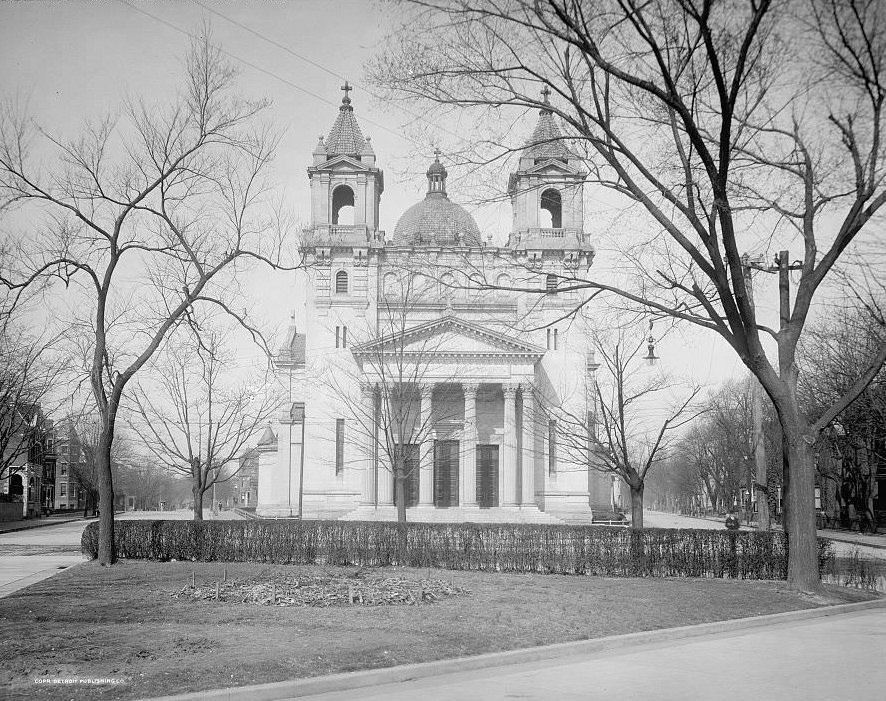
point(650, 356)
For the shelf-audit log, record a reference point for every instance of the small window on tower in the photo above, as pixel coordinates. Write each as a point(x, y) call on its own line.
point(551, 283)
point(341, 282)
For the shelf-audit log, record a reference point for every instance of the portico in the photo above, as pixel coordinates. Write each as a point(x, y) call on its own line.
point(473, 435)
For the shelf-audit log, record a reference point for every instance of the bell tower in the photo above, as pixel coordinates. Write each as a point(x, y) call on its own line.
point(547, 189)
point(346, 185)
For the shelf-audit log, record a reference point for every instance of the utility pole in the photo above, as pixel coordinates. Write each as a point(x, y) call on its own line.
point(761, 484)
point(783, 268)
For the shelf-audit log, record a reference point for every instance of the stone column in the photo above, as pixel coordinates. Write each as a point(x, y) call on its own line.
point(507, 475)
point(528, 496)
point(369, 444)
point(426, 450)
point(468, 468)
point(384, 474)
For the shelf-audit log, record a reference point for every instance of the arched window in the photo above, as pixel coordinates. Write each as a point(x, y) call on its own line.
point(551, 215)
point(447, 286)
point(343, 206)
point(551, 283)
point(391, 287)
point(341, 283)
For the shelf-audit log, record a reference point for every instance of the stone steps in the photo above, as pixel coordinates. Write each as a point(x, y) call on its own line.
point(454, 515)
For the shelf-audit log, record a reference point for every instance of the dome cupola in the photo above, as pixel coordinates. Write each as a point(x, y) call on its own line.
point(436, 220)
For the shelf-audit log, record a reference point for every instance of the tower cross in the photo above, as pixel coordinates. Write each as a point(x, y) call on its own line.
point(347, 88)
point(546, 93)
point(437, 153)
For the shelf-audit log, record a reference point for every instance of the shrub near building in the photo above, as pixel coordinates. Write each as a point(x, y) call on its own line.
point(584, 550)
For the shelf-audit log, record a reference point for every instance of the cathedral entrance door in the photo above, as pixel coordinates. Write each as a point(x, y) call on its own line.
point(487, 476)
point(445, 473)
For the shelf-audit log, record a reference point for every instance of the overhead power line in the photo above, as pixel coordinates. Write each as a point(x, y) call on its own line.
point(256, 67)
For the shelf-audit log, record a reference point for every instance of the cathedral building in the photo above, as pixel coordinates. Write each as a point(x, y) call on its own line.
point(433, 353)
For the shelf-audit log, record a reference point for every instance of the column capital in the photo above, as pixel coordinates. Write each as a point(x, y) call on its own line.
point(510, 389)
point(367, 388)
point(470, 388)
point(426, 389)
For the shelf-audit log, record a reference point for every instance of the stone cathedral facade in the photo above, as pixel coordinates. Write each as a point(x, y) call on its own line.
point(485, 366)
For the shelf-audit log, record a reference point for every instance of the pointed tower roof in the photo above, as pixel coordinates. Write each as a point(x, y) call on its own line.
point(345, 137)
point(547, 140)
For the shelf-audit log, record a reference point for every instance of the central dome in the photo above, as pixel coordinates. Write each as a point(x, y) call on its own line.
point(436, 220)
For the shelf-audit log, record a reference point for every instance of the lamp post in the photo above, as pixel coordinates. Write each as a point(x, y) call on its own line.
point(650, 356)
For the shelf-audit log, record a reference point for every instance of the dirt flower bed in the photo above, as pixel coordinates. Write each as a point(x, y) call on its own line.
point(325, 590)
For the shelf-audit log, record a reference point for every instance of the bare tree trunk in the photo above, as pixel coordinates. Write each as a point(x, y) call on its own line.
point(400, 489)
point(637, 505)
point(197, 491)
point(803, 572)
point(107, 554)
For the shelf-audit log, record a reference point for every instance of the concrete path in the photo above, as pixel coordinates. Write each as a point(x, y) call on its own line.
point(29, 556)
point(44, 547)
point(838, 657)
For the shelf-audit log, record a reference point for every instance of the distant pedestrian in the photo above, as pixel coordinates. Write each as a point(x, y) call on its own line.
point(732, 522)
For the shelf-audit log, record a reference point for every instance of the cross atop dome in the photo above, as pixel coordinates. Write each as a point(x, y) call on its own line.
point(347, 88)
point(545, 94)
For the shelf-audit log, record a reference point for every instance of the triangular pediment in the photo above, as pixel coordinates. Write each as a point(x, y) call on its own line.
point(343, 163)
point(553, 166)
point(450, 337)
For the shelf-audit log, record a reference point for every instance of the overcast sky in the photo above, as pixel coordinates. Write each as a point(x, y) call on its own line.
point(73, 60)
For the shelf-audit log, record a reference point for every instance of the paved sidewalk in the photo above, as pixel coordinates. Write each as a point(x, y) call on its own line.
point(839, 657)
point(825, 653)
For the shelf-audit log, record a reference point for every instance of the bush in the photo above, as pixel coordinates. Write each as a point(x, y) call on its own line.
point(589, 550)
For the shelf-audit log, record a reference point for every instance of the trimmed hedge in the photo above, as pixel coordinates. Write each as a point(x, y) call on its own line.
point(584, 550)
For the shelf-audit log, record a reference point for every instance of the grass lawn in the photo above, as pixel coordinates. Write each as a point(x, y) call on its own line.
point(126, 622)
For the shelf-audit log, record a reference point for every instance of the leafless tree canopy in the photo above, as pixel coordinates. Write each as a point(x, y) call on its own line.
point(144, 215)
point(718, 127)
point(193, 417)
point(619, 436)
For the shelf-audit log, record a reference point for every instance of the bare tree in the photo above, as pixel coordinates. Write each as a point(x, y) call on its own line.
point(143, 217)
point(194, 418)
point(617, 437)
point(719, 126)
point(391, 410)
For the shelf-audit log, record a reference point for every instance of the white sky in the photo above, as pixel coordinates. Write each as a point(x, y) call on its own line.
point(73, 60)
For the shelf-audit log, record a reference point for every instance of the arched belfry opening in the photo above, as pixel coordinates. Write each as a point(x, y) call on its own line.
point(551, 215)
point(343, 206)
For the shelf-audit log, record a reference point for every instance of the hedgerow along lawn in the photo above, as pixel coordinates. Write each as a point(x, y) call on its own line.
point(125, 621)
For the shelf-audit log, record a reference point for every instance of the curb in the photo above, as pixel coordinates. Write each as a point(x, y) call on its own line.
point(389, 675)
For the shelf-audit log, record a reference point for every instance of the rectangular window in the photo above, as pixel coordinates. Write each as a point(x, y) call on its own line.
point(64, 469)
point(341, 336)
point(339, 446)
point(338, 336)
point(63, 490)
point(555, 339)
point(552, 446)
point(549, 340)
